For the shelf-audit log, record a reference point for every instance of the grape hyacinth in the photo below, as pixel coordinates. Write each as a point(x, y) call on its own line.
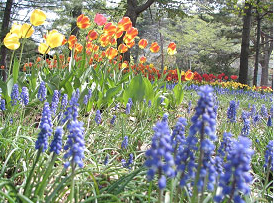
point(72, 110)
point(269, 121)
point(64, 102)
point(106, 160)
point(3, 105)
point(269, 156)
point(42, 91)
point(45, 129)
point(98, 118)
point(25, 96)
point(159, 156)
point(112, 121)
point(232, 111)
point(246, 127)
point(126, 164)
point(85, 100)
point(55, 101)
point(264, 112)
point(236, 176)
point(124, 143)
point(75, 144)
point(128, 107)
point(56, 144)
point(15, 95)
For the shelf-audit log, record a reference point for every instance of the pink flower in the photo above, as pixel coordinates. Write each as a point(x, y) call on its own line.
point(100, 19)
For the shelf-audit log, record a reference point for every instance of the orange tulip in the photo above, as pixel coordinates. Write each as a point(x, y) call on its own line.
point(72, 41)
point(122, 48)
point(95, 48)
point(119, 33)
point(124, 24)
point(83, 21)
point(130, 44)
point(37, 17)
point(110, 29)
point(142, 43)
point(130, 34)
point(104, 40)
point(78, 47)
point(143, 59)
point(189, 75)
point(154, 48)
point(111, 53)
point(171, 50)
point(92, 35)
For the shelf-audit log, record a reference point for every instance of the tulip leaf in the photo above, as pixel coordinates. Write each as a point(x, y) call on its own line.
point(178, 93)
point(15, 70)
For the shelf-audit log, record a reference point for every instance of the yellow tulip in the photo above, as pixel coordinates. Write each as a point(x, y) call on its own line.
point(43, 48)
point(26, 30)
point(37, 17)
point(54, 39)
point(11, 41)
point(16, 29)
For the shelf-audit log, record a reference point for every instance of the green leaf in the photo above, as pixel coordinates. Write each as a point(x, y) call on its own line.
point(178, 93)
point(15, 70)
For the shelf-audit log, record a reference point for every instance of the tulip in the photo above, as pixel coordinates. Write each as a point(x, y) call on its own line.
point(171, 50)
point(142, 43)
point(130, 44)
point(11, 41)
point(154, 48)
point(92, 35)
point(111, 53)
point(72, 41)
point(26, 30)
point(43, 48)
point(78, 47)
point(189, 75)
point(37, 17)
point(100, 19)
point(16, 29)
point(54, 39)
point(143, 59)
point(122, 48)
point(125, 24)
point(110, 29)
point(83, 21)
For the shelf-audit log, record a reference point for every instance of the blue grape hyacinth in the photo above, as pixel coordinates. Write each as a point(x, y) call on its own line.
point(75, 144)
point(15, 98)
point(55, 101)
point(269, 155)
point(56, 144)
point(124, 143)
point(3, 105)
point(42, 91)
point(112, 121)
point(45, 129)
point(159, 156)
point(232, 111)
point(25, 96)
point(126, 164)
point(236, 176)
point(98, 118)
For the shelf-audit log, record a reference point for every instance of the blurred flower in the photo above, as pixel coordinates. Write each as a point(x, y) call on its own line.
point(15, 99)
point(43, 48)
point(269, 121)
point(246, 127)
point(112, 121)
point(56, 144)
point(75, 144)
point(100, 19)
point(37, 17)
point(171, 50)
point(264, 112)
point(110, 29)
point(130, 35)
point(128, 107)
point(129, 162)
point(189, 75)
point(11, 41)
point(83, 21)
point(55, 101)
point(154, 48)
point(78, 47)
point(72, 41)
point(64, 102)
point(122, 48)
point(142, 43)
point(26, 30)
point(234, 77)
point(106, 160)
point(16, 29)
point(54, 39)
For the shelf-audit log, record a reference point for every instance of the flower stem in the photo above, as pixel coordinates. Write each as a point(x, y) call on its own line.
point(9, 71)
point(267, 177)
point(71, 195)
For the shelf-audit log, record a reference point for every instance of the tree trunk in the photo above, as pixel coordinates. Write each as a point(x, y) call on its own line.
point(245, 44)
point(4, 31)
point(162, 47)
point(268, 47)
point(77, 10)
point(257, 46)
point(133, 10)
